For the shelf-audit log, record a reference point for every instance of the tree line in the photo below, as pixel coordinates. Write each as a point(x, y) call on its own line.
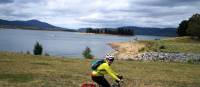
point(190, 27)
point(114, 31)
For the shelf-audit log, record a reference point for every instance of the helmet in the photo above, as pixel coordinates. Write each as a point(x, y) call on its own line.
point(109, 57)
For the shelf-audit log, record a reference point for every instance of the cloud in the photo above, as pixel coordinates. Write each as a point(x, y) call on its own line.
point(168, 3)
point(6, 1)
point(101, 13)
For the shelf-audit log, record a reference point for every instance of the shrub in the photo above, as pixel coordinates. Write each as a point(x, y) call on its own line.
point(142, 49)
point(162, 47)
point(87, 53)
point(46, 54)
point(37, 49)
point(28, 52)
point(194, 61)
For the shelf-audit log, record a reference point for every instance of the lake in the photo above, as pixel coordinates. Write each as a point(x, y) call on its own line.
point(59, 43)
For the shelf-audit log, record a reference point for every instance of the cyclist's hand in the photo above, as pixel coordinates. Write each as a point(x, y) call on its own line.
point(121, 80)
point(120, 77)
point(117, 81)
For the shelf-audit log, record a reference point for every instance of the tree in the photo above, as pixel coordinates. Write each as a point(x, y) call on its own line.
point(87, 53)
point(194, 26)
point(182, 28)
point(88, 30)
point(37, 49)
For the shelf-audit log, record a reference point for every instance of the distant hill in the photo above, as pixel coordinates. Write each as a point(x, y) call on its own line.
point(31, 24)
point(144, 30)
point(153, 31)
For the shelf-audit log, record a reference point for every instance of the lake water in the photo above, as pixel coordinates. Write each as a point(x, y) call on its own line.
point(58, 43)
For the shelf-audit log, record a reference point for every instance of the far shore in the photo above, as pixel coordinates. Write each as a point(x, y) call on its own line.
point(37, 29)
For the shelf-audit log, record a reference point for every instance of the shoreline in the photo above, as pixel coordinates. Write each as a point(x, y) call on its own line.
point(125, 50)
point(143, 50)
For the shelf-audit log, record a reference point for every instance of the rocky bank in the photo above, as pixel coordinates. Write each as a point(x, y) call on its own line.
point(130, 51)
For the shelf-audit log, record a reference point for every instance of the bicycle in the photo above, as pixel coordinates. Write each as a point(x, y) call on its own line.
point(116, 84)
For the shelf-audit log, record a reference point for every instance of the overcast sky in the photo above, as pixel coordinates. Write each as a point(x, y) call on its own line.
point(101, 13)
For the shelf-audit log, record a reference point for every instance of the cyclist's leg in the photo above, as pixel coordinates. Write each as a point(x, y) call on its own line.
point(100, 80)
point(105, 83)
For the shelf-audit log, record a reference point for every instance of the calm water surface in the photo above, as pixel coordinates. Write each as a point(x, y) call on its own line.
point(58, 43)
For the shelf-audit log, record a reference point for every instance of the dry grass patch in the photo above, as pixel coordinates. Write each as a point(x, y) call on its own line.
point(41, 71)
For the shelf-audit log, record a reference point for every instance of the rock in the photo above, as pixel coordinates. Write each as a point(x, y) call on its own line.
point(160, 56)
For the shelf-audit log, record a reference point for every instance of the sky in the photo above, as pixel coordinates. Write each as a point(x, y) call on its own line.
point(101, 13)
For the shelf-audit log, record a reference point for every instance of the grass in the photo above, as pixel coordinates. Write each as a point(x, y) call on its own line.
point(25, 77)
point(40, 63)
point(181, 44)
point(20, 70)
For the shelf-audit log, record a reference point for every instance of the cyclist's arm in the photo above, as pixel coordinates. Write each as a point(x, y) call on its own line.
point(115, 73)
point(111, 72)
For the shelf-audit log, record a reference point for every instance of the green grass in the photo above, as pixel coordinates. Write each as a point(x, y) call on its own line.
point(16, 77)
point(181, 44)
point(40, 71)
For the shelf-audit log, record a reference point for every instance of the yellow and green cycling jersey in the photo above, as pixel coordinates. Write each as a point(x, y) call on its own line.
point(103, 69)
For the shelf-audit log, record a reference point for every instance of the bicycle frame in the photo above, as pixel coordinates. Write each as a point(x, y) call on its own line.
point(117, 84)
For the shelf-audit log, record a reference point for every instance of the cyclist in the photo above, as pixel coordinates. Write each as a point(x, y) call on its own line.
point(104, 68)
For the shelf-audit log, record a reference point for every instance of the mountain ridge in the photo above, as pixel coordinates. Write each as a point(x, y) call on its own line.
point(38, 25)
point(153, 31)
point(31, 24)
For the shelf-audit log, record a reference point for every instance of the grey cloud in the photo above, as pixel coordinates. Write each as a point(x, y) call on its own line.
point(154, 13)
point(29, 1)
point(102, 21)
point(162, 11)
point(10, 13)
point(5, 11)
point(168, 3)
point(107, 25)
point(6, 1)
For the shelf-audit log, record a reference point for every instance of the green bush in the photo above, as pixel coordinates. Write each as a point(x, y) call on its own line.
point(38, 49)
point(46, 54)
point(142, 49)
point(162, 47)
point(87, 53)
point(28, 52)
point(194, 61)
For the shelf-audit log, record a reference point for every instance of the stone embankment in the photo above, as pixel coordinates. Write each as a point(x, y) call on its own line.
point(160, 56)
point(130, 51)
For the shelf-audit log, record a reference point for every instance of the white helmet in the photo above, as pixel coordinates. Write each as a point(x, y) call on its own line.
point(109, 57)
